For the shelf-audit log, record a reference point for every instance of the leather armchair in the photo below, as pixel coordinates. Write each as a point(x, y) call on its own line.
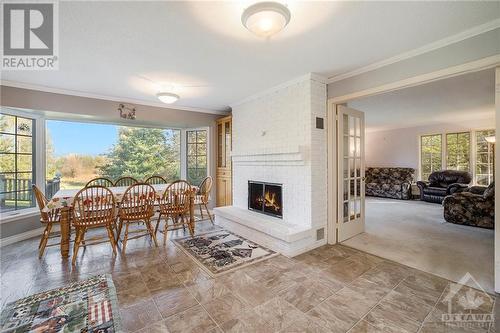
point(474, 207)
point(442, 184)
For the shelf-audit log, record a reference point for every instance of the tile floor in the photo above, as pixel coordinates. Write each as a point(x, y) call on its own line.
point(330, 289)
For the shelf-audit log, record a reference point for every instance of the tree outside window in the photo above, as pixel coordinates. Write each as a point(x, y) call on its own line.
point(196, 156)
point(484, 158)
point(16, 162)
point(458, 151)
point(431, 154)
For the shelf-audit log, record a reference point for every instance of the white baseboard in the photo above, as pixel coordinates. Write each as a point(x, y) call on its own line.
point(20, 237)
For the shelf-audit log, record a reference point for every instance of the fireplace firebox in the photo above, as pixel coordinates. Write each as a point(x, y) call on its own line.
point(265, 198)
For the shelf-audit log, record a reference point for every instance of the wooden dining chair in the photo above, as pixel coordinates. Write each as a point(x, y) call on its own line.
point(174, 206)
point(137, 206)
point(125, 181)
point(46, 218)
point(100, 181)
point(202, 197)
point(93, 207)
point(156, 179)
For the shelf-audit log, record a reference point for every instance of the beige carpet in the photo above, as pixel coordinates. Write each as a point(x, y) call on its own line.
point(415, 233)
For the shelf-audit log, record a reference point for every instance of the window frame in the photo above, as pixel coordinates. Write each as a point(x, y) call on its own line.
point(470, 133)
point(444, 149)
point(40, 119)
point(38, 156)
point(185, 145)
point(420, 151)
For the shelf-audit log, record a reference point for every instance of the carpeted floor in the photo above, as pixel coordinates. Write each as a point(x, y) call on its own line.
point(415, 233)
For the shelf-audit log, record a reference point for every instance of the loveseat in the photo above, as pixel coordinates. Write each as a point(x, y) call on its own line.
point(389, 182)
point(474, 206)
point(443, 183)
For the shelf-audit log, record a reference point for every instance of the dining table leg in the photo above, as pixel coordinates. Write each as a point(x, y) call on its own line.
point(65, 232)
point(191, 213)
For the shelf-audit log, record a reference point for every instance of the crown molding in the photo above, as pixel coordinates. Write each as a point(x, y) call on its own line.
point(68, 92)
point(469, 67)
point(466, 34)
point(306, 77)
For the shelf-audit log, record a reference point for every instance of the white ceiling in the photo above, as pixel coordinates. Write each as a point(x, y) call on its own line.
point(459, 99)
point(117, 48)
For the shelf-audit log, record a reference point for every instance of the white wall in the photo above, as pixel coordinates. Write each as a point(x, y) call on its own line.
point(400, 147)
point(275, 140)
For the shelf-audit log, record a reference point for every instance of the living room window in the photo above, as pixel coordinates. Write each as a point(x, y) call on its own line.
point(430, 154)
point(484, 158)
point(458, 151)
point(465, 151)
point(17, 162)
point(196, 156)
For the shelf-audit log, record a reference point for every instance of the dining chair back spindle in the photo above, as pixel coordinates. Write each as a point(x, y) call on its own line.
point(100, 181)
point(174, 205)
point(93, 207)
point(137, 206)
point(125, 181)
point(202, 197)
point(46, 218)
point(156, 179)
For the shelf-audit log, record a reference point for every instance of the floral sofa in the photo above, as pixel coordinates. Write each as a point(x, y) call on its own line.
point(389, 182)
point(474, 206)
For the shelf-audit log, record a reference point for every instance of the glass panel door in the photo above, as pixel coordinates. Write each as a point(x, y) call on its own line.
point(351, 172)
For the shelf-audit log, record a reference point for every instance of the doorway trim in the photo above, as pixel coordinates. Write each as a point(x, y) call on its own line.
point(469, 67)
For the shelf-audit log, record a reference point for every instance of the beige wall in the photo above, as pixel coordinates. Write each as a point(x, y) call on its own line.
point(59, 106)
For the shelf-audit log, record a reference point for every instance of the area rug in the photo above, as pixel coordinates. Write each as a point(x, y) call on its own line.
point(85, 306)
point(221, 251)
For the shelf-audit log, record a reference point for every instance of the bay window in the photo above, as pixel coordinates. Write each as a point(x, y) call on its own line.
point(464, 151)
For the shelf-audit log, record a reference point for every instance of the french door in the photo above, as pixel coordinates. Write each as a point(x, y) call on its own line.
point(351, 172)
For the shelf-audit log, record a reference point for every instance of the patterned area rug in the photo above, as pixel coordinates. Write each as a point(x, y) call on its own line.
point(221, 251)
point(84, 306)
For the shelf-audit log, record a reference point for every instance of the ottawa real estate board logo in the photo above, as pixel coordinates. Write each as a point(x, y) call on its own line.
point(30, 35)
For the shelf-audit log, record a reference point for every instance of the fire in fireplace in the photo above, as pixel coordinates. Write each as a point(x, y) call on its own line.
point(265, 198)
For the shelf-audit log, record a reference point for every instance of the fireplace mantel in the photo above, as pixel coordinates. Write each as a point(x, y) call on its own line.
point(276, 156)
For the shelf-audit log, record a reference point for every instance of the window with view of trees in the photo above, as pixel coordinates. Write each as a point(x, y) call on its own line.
point(484, 158)
point(16, 162)
point(431, 154)
point(196, 156)
point(458, 151)
point(77, 152)
point(465, 151)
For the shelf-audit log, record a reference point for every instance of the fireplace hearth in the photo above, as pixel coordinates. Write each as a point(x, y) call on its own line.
point(265, 198)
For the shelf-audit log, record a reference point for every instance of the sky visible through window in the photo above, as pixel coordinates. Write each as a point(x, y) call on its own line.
point(78, 152)
point(75, 138)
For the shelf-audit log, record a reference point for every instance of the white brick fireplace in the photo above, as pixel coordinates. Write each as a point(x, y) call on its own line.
point(275, 140)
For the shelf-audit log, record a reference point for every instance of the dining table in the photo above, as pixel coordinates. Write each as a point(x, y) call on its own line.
point(63, 200)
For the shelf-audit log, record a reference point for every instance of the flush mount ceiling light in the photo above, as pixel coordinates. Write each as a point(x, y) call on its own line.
point(266, 18)
point(167, 97)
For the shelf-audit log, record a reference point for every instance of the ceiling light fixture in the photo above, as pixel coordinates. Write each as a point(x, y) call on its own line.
point(266, 18)
point(167, 98)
